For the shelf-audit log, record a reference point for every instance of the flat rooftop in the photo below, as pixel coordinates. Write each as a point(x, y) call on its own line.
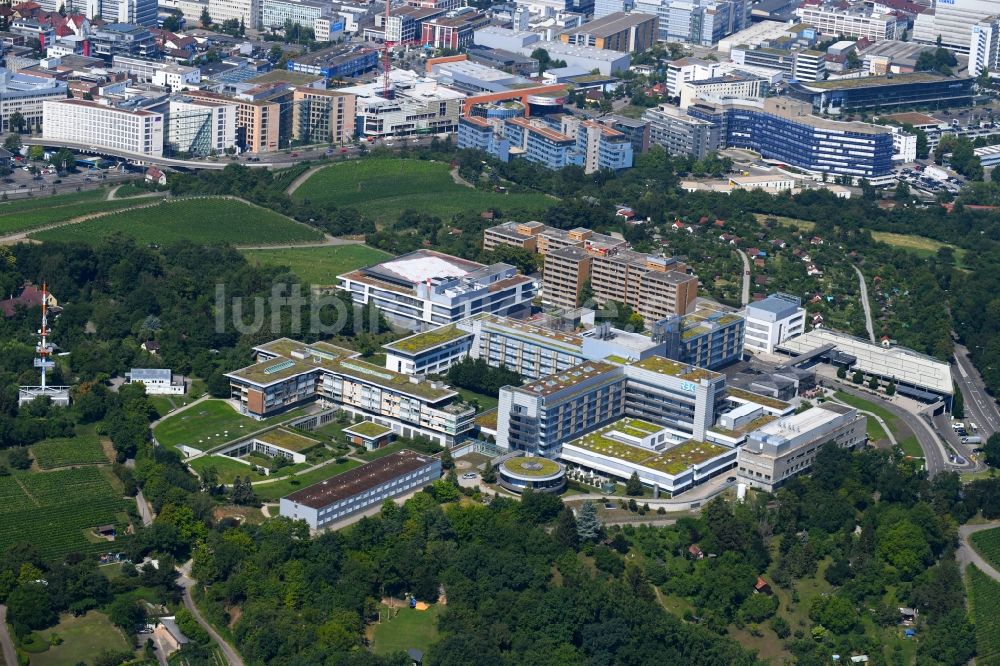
point(764, 400)
point(360, 479)
point(421, 342)
point(530, 466)
point(286, 76)
point(520, 329)
point(368, 430)
point(288, 440)
point(567, 378)
point(611, 24)
point(905, 365)
point(914, 118)
point(673, 461)
point(666, 366)
point(877, 81)
point(423, 265)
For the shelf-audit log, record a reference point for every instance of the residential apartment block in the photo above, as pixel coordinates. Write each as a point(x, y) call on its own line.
point(139, 132)
point(654, 286)
point(260, 124)
point(679, 133)
point(359, 489)
point(288, 374)
point(786, 448)
point(566, 271)
point(425, 289)
point(601, 147)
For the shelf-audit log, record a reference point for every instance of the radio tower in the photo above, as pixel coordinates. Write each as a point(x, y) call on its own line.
point(386, 56)
point(58, 394)
point(43, 348)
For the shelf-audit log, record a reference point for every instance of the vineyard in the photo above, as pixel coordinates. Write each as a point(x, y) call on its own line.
point(31, 213)
point(200, 220)
point(66, 451)
point(54, 510)
point(987, 543)
point(985, 596)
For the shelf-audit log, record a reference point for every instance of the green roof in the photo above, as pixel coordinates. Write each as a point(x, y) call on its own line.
point(672, 461)
point(267, 372)
point(488, 419)
point(645, 427)
point(368, 429)
point(666, 366)
point(288, 440)
point(614, 358)
point(765, 400)
point(531, 466)
point(415, 344)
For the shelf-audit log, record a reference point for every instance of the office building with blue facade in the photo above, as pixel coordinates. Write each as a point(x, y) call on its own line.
point(885, 93)
point(336, 62)
point(785, 131)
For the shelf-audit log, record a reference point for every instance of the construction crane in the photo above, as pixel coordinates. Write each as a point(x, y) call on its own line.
point(386, 55)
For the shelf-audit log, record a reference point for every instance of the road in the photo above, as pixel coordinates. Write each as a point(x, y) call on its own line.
point(863, 286)
point(186, 582)
point(9, 653)
point(980, 407)
point(145, 510)
point(935, 454)
point(745, 298)
point(966, 554)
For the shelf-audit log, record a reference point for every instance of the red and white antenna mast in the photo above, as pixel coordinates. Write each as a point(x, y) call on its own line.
point(43, 348)
point(386, 55)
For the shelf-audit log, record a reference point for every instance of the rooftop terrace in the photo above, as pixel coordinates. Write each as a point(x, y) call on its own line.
point(531, 466)
point(288, 440)
point(368, 429)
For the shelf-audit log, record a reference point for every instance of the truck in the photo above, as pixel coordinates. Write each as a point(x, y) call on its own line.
point(972, 439)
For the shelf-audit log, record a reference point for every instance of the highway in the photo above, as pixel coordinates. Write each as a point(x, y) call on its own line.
point(980, 407)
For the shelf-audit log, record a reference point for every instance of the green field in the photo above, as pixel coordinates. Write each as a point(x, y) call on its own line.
point(200, 220)
point(318, 265)
point(919, 245)
point(278, 489)
point(65, 451)
point(984, 594)
point(54, 510)
point(486, 402)
point(84, 638)
point(410, 628)
point(383, 188)
point(226, 467)
point(987, 543)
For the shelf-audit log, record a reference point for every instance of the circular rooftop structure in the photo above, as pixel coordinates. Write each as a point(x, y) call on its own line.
point(539, 474)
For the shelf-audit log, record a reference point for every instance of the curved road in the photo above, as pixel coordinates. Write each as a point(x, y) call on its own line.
point(9, 653)
point(966, 554)
point(979, 404)
point(863, 286)
point(935, 455)
point(186, 582)
point(746, 277)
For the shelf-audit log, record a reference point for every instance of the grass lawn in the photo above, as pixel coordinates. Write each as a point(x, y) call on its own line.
point(84, 638)
point(898, 428)
point(410, 628)
point(226, 467)
point(164, 404)
point(984, 594)
point(278, 489)
point(486, 402)
point(918, 245)
point(382, 452)
point(987, 543)
point(423, 186)
point(318, 265)
point(205, 425)
point(200, 220)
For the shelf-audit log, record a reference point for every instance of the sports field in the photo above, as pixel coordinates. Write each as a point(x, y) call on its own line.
point(200, 220)
point(318, 265)
point(55, 511)
point(384, 188)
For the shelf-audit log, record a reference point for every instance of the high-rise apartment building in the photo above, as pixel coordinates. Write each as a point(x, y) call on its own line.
point(566, 271)
point(656, 287)
point(679, 133)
